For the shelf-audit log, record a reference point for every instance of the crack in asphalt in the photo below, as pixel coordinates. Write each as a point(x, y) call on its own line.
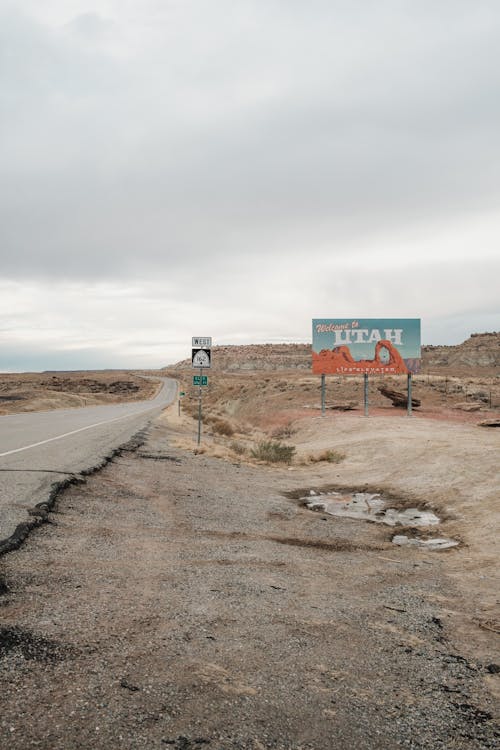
point(43, 471)
point(40, 511)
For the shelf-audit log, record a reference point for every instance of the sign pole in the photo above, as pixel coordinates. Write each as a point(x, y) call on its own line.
point(199, 408)
point(366, 393)
point(409, 394)
point(200, 358)
point(323, 396)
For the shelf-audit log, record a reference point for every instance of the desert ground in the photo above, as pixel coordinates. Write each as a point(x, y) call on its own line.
point(186, 596)
point(20, 392)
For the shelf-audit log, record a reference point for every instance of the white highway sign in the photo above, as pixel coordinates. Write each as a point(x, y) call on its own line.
point(201, 342)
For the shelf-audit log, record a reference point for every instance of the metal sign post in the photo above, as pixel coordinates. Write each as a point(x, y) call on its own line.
point(409, 394)
point(199, 409)
point(366, 393)
point(323, 396)
point(181, 394)
point(201, 357)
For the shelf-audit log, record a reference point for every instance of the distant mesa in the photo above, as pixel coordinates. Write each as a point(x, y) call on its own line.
point(478, 355)
point(339, 360)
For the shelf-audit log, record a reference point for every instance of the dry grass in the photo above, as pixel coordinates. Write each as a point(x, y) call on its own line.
point(244, 413)
point(329, 456)
point(272, 405)
point(238, 448)
point(222, 427)
point(283, 432)
point(273, 452)
point(25, 392)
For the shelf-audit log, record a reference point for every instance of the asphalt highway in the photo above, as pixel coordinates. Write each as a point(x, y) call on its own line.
point(38, 449)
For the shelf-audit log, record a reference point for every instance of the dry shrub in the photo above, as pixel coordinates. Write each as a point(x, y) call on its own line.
point(273, 452)
point(285, 431)
point(330, 456)
point(222, 427)
point(238, 448)
point(244, 428)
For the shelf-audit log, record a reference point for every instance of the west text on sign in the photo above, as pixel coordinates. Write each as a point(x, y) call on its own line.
point(201, 342)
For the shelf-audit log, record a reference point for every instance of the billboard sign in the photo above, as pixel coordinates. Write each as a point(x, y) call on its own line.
point(373, 346)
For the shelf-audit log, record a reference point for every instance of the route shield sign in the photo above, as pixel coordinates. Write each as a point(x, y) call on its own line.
point(201, 357)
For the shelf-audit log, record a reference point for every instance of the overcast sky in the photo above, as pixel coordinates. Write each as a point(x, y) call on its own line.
point(235, 168)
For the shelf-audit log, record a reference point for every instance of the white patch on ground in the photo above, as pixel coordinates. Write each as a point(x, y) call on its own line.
point(432, 544)
point(370, 507)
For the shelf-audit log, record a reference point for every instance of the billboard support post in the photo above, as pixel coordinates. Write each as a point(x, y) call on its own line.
point(323, 395)
point(366, 393)
point(409, 394)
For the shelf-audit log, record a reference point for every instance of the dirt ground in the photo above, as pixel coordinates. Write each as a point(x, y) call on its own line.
point(187, 598)
point(21, 392)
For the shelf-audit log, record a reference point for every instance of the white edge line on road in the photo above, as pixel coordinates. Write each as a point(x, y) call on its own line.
point(73, 432)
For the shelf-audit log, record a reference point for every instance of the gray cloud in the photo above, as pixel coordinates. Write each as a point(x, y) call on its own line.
point(91, 26)
point(248, 140)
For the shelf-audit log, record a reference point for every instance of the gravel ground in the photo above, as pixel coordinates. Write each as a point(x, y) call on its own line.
point(177, 600)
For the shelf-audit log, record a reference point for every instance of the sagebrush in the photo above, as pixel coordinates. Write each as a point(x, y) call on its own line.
point(273, 451)
point(285, 431)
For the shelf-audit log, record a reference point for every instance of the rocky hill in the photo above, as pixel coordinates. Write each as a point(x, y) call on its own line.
point(257, 357)
point(480, 354)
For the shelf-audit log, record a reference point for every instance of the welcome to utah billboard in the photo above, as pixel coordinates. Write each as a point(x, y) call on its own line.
point(354, 346)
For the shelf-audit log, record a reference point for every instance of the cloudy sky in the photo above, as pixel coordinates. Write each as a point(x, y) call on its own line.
point(235, 168)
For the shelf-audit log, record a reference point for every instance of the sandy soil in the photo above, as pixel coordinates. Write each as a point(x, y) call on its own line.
point(21, 392)
point(183, 600)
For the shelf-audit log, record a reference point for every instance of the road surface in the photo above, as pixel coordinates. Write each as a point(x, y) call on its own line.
point(39, 449)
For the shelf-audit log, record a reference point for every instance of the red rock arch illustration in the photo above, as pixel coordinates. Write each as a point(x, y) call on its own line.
point(339, 361)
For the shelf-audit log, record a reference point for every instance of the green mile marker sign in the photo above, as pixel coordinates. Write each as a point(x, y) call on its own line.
point(200, 379)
